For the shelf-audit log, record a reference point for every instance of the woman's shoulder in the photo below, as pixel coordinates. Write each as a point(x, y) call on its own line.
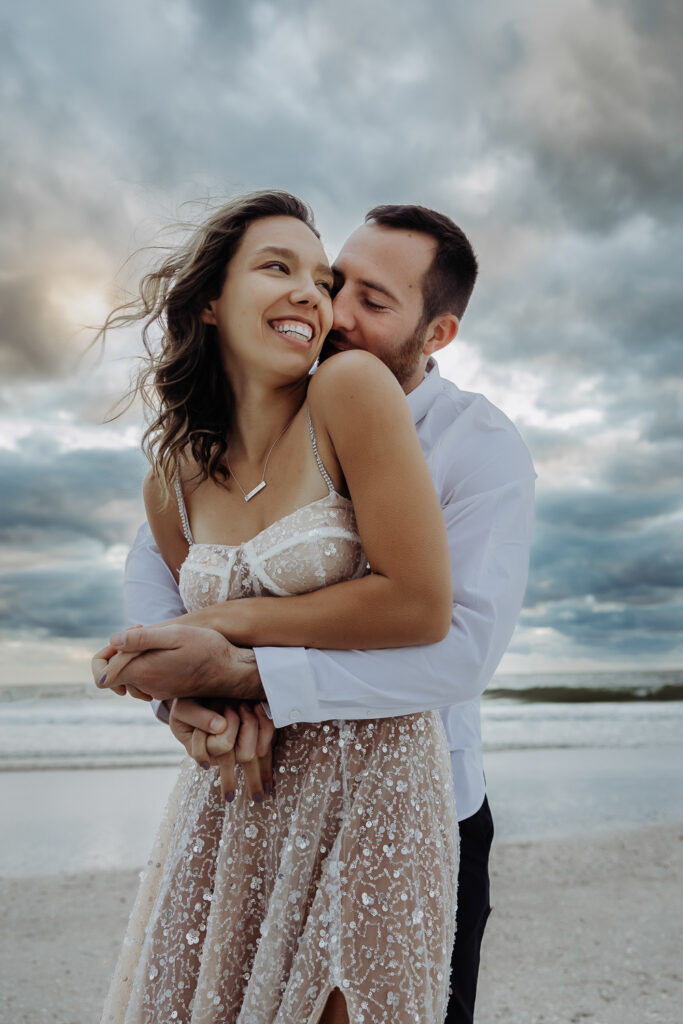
point(160, 490)
point(351, 375)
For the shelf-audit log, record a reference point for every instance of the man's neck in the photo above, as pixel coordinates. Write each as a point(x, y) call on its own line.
point(417, 377)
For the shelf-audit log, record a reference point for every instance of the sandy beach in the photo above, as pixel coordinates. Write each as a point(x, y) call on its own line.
point(583, 929)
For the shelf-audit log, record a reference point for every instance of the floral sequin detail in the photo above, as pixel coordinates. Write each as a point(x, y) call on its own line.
point(345, 877)
point(315, 546)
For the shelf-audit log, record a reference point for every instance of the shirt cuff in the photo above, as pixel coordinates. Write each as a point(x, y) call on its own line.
point(161, 711)
point(289, 683)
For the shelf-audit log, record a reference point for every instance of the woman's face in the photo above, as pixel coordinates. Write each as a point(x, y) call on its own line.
point(275, 307)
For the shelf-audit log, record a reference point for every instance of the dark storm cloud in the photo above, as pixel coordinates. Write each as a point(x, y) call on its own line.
point(616, 552)
point(60, 513)
point(552, 133)
point(50, 498)
point(604, 511)
point(609, 309)
point(246, 95)
point(73, 599)
point(595, 107)
point(613, 631)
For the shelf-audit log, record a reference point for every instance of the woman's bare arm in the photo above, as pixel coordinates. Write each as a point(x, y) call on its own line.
point(406, 599)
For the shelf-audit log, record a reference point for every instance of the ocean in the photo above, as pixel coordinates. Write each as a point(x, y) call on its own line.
point(564, 754)
point(78, 726)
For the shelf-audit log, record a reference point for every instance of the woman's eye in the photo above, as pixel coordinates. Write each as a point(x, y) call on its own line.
point(276, 263)
point(327, 286)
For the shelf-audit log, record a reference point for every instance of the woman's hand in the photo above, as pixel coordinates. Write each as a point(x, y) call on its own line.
point(240, 734)
point(115, 665)
point(107, 663)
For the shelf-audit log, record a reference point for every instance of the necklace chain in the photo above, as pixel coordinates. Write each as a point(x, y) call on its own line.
point(259, 487)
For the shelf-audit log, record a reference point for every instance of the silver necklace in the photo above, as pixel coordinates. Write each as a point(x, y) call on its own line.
point(259, 487)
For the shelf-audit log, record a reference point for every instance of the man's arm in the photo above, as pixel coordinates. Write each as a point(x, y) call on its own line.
point(489, 538)
point(150, 593)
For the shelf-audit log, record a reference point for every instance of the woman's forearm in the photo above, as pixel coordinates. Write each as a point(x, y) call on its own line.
point(367, 613)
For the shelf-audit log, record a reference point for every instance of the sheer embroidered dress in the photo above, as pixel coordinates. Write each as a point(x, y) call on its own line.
point(344, 877)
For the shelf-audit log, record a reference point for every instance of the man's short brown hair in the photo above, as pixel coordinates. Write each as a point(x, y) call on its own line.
point(448, 282)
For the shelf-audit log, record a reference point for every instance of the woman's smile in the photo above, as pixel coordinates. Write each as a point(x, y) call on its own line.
point(278, 283)
point(295, 329)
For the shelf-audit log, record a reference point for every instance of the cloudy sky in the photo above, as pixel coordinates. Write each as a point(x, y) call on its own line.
point(550, 132)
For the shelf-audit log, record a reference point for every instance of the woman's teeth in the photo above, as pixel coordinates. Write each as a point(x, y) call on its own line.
point(294, 328)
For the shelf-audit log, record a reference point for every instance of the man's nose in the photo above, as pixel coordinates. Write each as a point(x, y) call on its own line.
point(342, 314)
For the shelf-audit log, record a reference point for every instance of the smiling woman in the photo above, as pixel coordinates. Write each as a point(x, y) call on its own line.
point(326, 902)
point(185, 382)
point(272, 295)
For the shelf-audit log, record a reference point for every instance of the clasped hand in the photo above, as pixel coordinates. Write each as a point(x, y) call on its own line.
point(240, 734)
point(187, 667)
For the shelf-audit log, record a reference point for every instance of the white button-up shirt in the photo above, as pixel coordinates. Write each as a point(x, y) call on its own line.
point(484, 477)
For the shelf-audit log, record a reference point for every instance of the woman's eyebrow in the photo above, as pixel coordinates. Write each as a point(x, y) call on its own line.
point(277, 251)
point(289, 254)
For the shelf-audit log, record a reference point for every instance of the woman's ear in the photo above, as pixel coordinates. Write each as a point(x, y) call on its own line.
point(208, 315)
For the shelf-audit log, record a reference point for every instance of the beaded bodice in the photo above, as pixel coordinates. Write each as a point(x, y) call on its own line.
point(314, 546)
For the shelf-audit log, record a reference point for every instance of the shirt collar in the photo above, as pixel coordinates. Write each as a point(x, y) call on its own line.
point(421, 398)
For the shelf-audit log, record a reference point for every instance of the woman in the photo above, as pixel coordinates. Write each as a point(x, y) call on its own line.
point(340, 890)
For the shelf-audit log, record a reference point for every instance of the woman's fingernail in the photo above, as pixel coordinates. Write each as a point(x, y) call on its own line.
point(229, 797)
point(204, 765)
point(103, 678)
point(216, 724)
point(117, 639)
point(258, 798)
point(267, 788)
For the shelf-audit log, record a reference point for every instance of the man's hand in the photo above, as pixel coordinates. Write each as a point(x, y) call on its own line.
point(179, 661)
point(239, 736)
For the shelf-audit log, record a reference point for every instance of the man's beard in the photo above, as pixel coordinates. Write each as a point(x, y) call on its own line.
point(401, 360)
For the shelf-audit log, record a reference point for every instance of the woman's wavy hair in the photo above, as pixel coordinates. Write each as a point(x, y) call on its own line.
point(183, 381)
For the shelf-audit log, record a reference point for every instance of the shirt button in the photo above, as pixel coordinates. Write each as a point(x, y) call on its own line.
point(295, 714)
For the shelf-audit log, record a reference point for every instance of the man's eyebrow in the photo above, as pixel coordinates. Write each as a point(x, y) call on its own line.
point(381, 289)
point(289, 254)
point(372, 285)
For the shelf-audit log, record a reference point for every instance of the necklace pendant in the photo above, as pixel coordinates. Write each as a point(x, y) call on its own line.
point(252, 494)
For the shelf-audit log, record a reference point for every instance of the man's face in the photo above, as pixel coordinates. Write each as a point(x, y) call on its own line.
point(378, 301)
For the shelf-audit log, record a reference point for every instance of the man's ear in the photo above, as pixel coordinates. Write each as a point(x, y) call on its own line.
point(440, 333)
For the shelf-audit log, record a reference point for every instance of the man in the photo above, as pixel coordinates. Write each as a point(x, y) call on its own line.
point(403, 280)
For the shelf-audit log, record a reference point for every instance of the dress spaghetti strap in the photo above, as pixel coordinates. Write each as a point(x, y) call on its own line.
point(183, 512)
point(321, 465)
point(181, 501)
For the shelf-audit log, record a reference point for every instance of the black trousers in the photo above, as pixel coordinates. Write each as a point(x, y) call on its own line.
point(476, 834)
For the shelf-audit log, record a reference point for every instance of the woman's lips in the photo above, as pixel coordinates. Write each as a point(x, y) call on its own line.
point(298, 331)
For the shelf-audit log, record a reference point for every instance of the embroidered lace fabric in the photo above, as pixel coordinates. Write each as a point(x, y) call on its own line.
point(344, 877)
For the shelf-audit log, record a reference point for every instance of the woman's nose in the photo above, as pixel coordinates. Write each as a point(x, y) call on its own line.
point(306, 292)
